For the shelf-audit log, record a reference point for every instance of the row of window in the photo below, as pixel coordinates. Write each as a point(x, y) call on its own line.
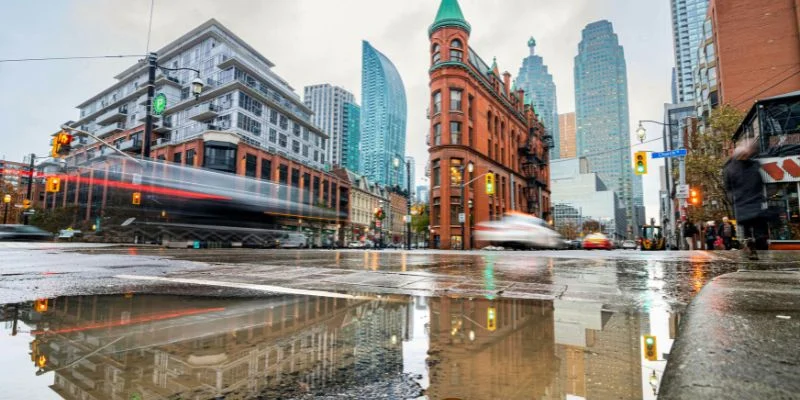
point(456, 52)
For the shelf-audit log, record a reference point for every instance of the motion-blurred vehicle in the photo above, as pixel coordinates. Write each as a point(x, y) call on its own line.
point(519, 231)
point(24, 233)
point(597, 241)
point(629, 245)
point(293, 241)
point(69, 234)
point(356, 245)
point(652, 238)
point(576, 244)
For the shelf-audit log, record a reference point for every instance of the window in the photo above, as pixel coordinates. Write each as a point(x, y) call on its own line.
point(436, 211)
point(190, 157)
point(250, 104)
point(316, 155)
point(456, 44)
point(296, 129)
point(296, 146)
point(456, 55)
point(250, 165)
point(295, 184)
point(266, 169)
point(436, 56)
point(305, 134)
point(282, 140)
point(436, 173)
point(273, 135)
point(273, 117)
point(470, 99)
point(220, 158)
point(455, 133)
point(248, 124)
point(455, 99)
point(455, 172)
point(437, 134)
point(437, 103)
point(284, 122)
point(455, 209)
point(471, 134)
point(306, 188)
point(305, 150)
point(176, 158)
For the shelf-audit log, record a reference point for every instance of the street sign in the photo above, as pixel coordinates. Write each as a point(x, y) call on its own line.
point(462, 218)
point(670, 154)
point(682, 192)
point(159, 104)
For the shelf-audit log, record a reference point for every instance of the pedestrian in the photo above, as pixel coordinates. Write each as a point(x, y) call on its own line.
point(689, 232)
point(727, 232)
point(745, 189)
point(710, 235)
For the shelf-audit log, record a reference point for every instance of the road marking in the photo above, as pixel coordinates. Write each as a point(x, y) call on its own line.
point(249, 286)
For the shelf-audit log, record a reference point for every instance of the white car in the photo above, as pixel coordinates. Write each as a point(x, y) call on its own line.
point(518, 230)
point(629, 245)
point(293, 241)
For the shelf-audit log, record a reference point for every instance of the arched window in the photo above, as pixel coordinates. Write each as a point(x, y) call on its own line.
point(455, 50)
point(436, 54)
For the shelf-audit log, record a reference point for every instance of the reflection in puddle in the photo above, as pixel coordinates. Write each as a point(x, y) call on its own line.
point(152, 347)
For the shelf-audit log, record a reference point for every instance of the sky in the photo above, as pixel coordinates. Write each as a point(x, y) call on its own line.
point(317, 41)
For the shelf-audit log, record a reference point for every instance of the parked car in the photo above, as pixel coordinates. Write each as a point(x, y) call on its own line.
point(597, 241)
point(69, 234)
point(518, 230)
point(629, 245)
point(356, 245)
point(293, 241)
point(23, 233)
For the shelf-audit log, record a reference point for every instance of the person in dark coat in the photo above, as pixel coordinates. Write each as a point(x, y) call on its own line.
point(745, 189)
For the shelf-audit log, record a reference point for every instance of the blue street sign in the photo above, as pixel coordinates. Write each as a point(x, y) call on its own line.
point(670, 154)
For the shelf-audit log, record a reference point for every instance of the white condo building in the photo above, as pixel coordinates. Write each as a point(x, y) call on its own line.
point(328, 103)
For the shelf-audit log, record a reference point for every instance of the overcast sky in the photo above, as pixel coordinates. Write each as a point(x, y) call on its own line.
point(316, 41)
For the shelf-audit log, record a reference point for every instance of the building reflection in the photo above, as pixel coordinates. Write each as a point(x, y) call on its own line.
point(150, 347)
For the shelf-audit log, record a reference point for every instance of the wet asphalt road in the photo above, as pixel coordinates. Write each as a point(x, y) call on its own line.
point(346, 324)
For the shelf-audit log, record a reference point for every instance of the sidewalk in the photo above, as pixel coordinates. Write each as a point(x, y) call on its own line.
point(740, 339)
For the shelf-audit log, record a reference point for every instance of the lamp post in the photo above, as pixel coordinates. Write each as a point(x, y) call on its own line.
point(152, 66)
point(642, 133)
point(469, 168)
point(6, 201)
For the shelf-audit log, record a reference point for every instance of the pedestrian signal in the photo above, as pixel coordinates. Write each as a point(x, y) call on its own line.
point(53, 184)
point(650, 350)
point(26, 204)
point(490, 186)
point(694, 197)
point(640, 158)
point(136, 199)
point(491, 319)
point(62, 144)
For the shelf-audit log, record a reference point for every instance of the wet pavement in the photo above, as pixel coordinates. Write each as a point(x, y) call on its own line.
point(151, 323)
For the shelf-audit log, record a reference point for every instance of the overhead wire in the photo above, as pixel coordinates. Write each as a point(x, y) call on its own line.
point(7, 60)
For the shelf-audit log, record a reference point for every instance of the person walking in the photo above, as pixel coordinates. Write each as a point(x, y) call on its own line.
point(727, 232)
point(689, 232)
point(745, 189)
point(710, 235)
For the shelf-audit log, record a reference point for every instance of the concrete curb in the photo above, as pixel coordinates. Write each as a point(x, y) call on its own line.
point(739, 339)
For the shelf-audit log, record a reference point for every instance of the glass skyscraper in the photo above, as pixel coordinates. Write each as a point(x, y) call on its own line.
point(351, 138)
point(601, 102)
point(539, 88)
point(383, 119)
point(687, 33)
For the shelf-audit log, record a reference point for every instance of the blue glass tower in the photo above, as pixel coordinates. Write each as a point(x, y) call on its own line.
point(383, 119)
point(601, 108)
point(539, 88)
point(351, 137)
point(687, 32)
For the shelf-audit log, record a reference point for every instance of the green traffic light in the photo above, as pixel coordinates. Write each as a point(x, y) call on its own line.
point(649, 341)
point(640, 168)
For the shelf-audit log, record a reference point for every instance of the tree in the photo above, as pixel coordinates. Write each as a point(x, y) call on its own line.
point(13, 212)
point(420, 221)
point(568, 230)
point(706, 157)
point(54, 219)
point(591, 225)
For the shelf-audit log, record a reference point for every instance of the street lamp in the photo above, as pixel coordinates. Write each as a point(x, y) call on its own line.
point(469, 167)
point(641, 132)
point(6, 201)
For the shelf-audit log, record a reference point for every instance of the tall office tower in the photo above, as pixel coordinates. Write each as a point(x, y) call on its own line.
point(351, 138)
point(328, 104)
point(601, 99)
point(383, 118)
point(412, 175)
point(540, 90)
point(566, 129)
point(687, 31)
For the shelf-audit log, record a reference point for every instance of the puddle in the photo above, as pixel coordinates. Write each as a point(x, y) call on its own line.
point(302, 347)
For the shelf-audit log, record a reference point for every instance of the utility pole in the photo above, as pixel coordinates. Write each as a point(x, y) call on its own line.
point(25, 215)
point(408, 205)
point(152, 64)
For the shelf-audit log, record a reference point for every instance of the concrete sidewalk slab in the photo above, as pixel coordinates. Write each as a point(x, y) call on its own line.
point(740, 339)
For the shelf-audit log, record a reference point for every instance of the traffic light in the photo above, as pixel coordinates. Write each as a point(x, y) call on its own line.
point(40, 305)
point(490, 186)
point(640, 158)
point(491, 319)
point(650, 350)
point(694, 197)
point(137, 198)
point(26, 204)
point(62, 144)
point(53, 184)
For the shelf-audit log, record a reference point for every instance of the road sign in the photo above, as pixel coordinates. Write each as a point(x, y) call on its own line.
point(682, 192)
point(670, 154)
point(462, 218)
point(159, 104)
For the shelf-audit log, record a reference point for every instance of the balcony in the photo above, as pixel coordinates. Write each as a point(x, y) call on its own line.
point(205, 112)
point(132, 145)
point(109, 129)
point(113, 115)
point(163, 126)
point(168, 80)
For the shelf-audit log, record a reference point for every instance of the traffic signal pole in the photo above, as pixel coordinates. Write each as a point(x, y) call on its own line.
point(152, 64)
point(408, 205)
point(30, 188)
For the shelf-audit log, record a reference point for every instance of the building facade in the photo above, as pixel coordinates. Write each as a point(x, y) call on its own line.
point(687, 26)
point(383, 118)
point(601, 99)
point(476, 119)
point(351, 138)
point(422, 194)
point(412, 176)
point(365, 198)
point(328, 104)
point(567, 130)
point(540, 90)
